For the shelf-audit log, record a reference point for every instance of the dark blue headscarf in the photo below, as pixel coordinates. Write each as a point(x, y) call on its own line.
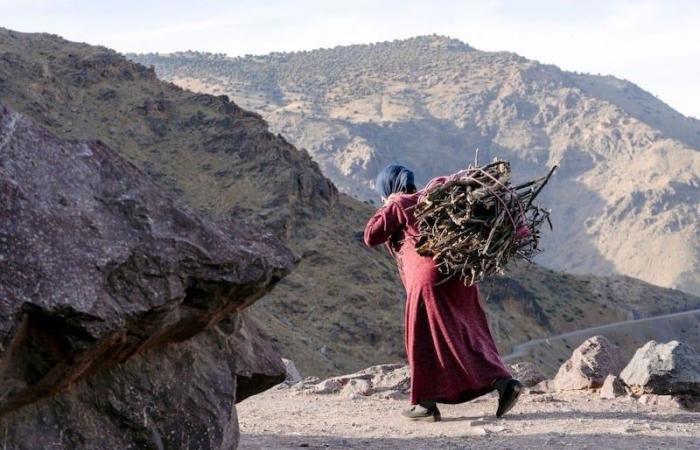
point(393, 179)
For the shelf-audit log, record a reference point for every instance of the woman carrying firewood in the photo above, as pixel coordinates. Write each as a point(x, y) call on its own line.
point(451, 353)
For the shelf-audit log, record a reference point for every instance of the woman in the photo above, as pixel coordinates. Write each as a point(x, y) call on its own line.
point(451, 354)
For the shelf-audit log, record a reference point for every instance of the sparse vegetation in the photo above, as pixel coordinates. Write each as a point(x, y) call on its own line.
point(255, 175)
point(429, 101)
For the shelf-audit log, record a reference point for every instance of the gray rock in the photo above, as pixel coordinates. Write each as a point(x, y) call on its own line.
point(387, 378)
point(356, 388)
point(665, 401)
point(120, 322)
point(389, 381)
point(590, 363)
point(612, 387)
point(292, 373)
point(329, 386)
point(171, 396)
point(670, 368)
point(258, 366)
point(527, 373)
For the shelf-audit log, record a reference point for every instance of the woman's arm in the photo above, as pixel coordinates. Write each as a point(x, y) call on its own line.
point(385, 222)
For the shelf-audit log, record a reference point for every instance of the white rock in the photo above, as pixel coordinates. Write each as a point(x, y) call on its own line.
point(671, 368)
point(589, 364)
point(612, 388)
point(357, 388)
point(293, 374)
point(660, 400)
point(329, 386)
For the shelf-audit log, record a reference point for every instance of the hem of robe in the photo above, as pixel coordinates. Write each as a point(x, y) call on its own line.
point(456, 397)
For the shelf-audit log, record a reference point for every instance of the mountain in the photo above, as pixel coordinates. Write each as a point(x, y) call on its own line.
point(626, 198)
point(341, 307)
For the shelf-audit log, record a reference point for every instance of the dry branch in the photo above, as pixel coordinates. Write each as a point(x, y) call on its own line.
point(476, 221)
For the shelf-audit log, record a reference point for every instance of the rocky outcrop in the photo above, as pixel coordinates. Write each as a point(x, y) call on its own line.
point(119, 321)
point(175, 396)
point(670, 368)
point(589, 364)
point(389, 381)
point(257, 365)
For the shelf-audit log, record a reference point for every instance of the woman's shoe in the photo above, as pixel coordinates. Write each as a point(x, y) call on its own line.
point(508, 392)
point(418, 412)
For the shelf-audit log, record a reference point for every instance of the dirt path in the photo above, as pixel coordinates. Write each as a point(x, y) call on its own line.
point(522, 350)
point(283, 419)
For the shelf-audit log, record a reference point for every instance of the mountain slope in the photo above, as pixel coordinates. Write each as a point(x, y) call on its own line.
point(626, 198)
point(341, 308)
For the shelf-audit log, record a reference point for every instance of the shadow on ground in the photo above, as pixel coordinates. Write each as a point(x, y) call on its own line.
point(549, 440)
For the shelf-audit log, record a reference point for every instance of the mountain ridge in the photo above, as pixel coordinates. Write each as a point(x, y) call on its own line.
point(628, 162)
point(340, 309)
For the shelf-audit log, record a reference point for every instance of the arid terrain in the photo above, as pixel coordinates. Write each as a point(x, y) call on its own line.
point(182, 263)
point(341, 307)
point(598, 398)
point(279, 419)
point(625, 200)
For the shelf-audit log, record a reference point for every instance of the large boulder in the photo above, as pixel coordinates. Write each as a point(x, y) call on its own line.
point(590, 363)
point(670, 368)
point(110, 296)
point(175, 396)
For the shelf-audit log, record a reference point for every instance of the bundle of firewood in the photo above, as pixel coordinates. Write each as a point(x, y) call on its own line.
point(476, 221)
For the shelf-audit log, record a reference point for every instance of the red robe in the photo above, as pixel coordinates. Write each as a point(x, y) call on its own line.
point(451, 353)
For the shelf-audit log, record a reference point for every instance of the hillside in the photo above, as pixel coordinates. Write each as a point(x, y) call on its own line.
point(628, 335)
point(341, 308)
point(629, 164)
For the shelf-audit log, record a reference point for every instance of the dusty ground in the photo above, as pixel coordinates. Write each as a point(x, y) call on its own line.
point(282, 419)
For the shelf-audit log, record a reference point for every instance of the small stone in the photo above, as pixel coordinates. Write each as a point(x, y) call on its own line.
point(391, 395)
point(667, 401)
point(306, 383)
point(292, 373)
point(612, 388)
point(329, 386)
point(357, 388)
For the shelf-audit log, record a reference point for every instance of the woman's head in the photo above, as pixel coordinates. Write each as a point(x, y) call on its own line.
point(394, 179)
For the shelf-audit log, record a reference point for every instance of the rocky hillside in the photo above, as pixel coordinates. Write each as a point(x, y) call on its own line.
point(341, 308)
point(626, 198)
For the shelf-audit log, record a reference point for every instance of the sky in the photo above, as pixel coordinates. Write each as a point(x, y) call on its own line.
point(653, 43)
